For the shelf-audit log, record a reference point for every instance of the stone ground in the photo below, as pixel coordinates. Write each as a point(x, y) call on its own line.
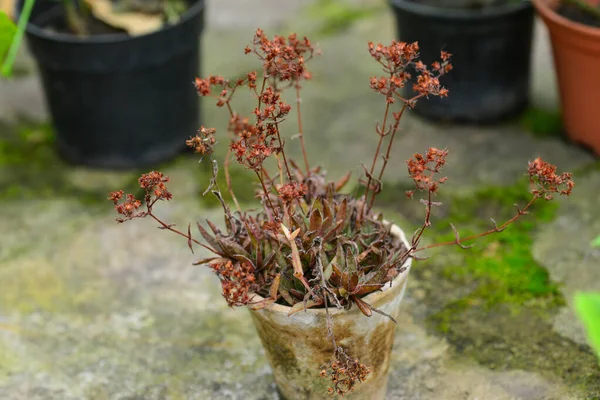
point(94, 310)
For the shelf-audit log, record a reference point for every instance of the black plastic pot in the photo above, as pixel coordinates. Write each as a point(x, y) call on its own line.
point(490, 47)
point(118, 101)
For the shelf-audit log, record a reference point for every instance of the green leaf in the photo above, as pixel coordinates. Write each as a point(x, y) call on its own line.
point(596, 241)
point(587, 306)
point(7, 33)
point(8, 54)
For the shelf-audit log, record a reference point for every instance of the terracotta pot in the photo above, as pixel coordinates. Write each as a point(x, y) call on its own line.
point(576, 49)
point(297, 346)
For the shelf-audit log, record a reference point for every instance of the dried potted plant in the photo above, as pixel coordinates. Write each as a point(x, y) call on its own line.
point(491, 43)
point(575, 35)
point(110, 72)
point(322, 273)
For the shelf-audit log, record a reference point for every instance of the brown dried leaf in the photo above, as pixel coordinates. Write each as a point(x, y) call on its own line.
point(333, 231)
point(268, 261)
point(213, 227)
point(301, 307)
point(316, 221)
point(353, 283)
point(261, 304)
point(286, 295)
point(207, 260)
point(327, 215)
point(296, 263)
point(232, 248)
point(336, 274)
point(341, 212)
point(342, 182)
point(345, 280)
point(363, 255)
point(275, 287)
point(362, 306)
point(190, 237)
point(297, 294)
point(364, 289)
point(212, 242)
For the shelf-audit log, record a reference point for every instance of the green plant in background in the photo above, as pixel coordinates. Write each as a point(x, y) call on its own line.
point(11, 36)
point(596, 241)
point(338, 15)
point(587, 306)
point(542, 123)
point(7, 32)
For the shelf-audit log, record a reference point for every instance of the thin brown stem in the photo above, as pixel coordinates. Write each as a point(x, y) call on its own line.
point(489, 232)
point(300, 130)
point(170, 228)
point(387, 153)
point(262, 89)
point(230, 109)
point(375, 157)
point(285, 163)
point(228, 180)
point(426, 223)
point(266, 194)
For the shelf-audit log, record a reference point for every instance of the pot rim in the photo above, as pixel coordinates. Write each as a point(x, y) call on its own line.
point(395, 230)
point(550, 15)
point(461, 14)
point(39, 31)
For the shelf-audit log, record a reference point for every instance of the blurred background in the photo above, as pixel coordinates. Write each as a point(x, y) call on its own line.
point(90, 309)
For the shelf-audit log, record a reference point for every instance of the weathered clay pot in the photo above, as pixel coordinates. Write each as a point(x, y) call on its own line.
point(297, 346)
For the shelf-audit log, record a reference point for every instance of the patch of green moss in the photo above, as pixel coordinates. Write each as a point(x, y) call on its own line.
point(37, 285)
point(587, 169)
point(338, 15)
point(503, 339)
point(501, 264)
point(9, 361)
point(542, 123)
point(30, 168)
point(494, 302)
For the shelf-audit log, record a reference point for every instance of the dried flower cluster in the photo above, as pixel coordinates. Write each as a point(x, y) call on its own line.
point(396, 60)
point(283, 60)
point(344, 372)
point(237, 281)
point(422, 169)
point(155, 189)
point(311, 246)
point(545, 180)
point(203, 142)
